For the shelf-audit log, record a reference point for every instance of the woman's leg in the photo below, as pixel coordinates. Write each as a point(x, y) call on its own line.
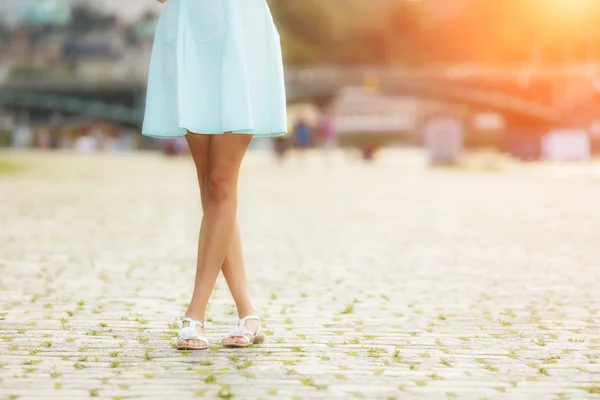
point(198, 145)
point(234, 271)
point(223, 160)
point(233, 266)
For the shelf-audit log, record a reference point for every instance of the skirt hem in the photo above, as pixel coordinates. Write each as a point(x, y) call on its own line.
point(235, 132)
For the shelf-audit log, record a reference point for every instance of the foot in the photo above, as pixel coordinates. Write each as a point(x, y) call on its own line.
point(191, 335)
point(246, 333)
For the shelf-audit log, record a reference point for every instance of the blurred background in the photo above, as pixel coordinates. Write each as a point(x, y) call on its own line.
point(515, 77)
point(428, 228)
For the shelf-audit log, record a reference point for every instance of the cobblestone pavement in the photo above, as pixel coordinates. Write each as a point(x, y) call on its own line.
point(384, 281)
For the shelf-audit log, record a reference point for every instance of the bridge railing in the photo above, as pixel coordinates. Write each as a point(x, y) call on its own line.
point(71, 105)
point(348, 75)
point(448, 72)
point(444, 82)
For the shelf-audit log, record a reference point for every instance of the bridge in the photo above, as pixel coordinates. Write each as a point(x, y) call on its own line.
point(535, 97)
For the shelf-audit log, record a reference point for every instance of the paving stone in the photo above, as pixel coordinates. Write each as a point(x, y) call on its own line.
point(376, 281)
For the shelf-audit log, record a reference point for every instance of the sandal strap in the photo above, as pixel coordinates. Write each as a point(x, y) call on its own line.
point(246, 318)
point(241, 332)
point(192, 322)
point(190, 332)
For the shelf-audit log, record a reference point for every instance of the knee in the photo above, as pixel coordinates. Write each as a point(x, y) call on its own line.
point(220, 187)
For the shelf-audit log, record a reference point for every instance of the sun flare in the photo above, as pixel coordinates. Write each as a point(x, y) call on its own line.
point(573, 6)
point(568, 16)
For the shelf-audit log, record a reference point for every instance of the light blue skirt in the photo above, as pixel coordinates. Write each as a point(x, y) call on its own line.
point(216, 67)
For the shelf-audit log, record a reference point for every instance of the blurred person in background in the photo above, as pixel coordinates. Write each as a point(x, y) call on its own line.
point(43, 139)
point(280, 146)
point(173, 147)
point(302, 135)
point(327, 132)
point(216, 78)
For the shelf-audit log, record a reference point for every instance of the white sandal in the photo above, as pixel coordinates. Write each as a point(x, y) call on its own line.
point(189, 333)
point(241, 331)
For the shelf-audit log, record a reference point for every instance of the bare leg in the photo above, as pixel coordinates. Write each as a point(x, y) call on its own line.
point(198, 145)
point(233, 266)
point(235, 275)
point(234, 272)
point(225, 153)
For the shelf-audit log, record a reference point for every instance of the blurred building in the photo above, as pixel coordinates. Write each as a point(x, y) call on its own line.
point(95, 56)
point(51, 39)
point(361, 110)
point(46, 12)
point(39, 33)
point(139, 51)
point(75, 44)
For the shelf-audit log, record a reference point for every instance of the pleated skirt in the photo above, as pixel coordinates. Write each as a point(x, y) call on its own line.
point(216, 67)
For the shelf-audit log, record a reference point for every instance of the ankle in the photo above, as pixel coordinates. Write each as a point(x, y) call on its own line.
point(244, 312)
point(195, 316)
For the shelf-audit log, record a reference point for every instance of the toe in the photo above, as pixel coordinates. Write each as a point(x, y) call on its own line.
point(231, 340)
point(241, 340)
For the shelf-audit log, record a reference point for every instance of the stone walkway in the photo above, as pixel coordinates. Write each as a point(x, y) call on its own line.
point(384, 281)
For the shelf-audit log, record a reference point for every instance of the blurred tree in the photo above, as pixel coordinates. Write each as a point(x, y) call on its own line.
point(307, 29)
point(406, 26)
point(149, 15)
point(436, 31)
point(482, 30)
point(333, 31)
point(143, 28)
point(4, 30)
point(85, 18)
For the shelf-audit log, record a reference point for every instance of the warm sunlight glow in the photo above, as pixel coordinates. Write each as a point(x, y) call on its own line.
point(573, 6)
point(570, 16)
